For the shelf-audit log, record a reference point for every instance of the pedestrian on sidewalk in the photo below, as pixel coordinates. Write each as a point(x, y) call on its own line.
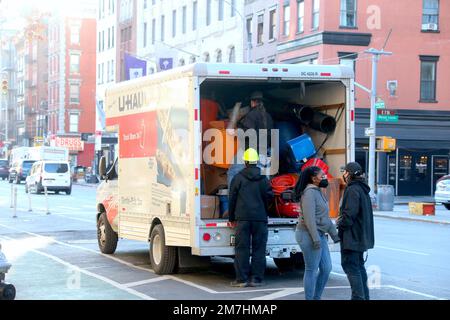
point(356, 230)
point(248, 211)
point(314, 223)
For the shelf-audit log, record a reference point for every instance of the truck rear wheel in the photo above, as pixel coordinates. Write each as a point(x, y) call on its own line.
point(7, 292)
point(107, 238)
point(295, 262)
point(447, 206)
point(162, 257)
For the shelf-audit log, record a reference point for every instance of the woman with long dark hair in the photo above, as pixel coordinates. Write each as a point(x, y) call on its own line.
point(313, 225)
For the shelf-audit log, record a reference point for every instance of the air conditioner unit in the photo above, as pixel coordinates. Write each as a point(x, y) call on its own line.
point(430, 26)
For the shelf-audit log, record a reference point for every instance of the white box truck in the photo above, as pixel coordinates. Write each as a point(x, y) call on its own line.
point(153, 191)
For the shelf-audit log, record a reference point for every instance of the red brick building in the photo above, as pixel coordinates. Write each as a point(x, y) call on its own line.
point(72, 82)
point(413, 82)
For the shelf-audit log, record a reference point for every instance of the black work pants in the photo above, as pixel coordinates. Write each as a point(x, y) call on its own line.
point(353, 265)
point(250, 234)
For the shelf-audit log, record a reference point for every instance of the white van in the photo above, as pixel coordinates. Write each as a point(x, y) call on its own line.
point(55, 175)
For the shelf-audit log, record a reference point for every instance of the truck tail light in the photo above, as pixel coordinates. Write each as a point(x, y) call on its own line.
point(206, 237)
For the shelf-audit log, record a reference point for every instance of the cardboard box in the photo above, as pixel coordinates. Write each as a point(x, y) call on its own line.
point(213, 179)
point(422, 209)
point(210, 207)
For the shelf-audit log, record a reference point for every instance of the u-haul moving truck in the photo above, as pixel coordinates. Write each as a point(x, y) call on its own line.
point(153, 190)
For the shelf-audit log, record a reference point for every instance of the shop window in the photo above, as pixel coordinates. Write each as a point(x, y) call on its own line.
point(405, 167)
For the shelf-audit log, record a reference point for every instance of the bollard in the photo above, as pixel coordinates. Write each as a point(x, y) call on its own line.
point(12, 197)
point(46, 200)
point(29, 202)
point(15, 202)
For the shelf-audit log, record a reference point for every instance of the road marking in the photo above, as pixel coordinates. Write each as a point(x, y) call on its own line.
point(189, 283)
point(280, 294)
point(140, 283)
point(413, 292)
point(403, 250)
point(88, 273)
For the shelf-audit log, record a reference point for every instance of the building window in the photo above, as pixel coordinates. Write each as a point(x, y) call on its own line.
point(272, 23)
point(300, 16)
point(219, 55)
point(162, 28)
point(430, 17)
point(181, 62)
point(145, 4)
point(428, 78)
point(75, 35)
point(233, 8)
point(75, 92)
point(113, 36)
point(174, 23)
point(286, 19)
point(260, 29)
point(194, 15)
point(153, 31)
point(271, 60)
point(348, 13)
point(183, 22)
point(73, 122)
point(206, 57)
point(249, 30)
point(192, 59)
point(208, 12)
point(220, 17)
point(145, 34)
point(348, 59)
point(232, 55)
point(315, 14)
point(103, 40)
point(74, 63)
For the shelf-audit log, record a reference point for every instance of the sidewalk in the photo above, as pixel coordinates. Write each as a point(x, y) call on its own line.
point(407, 199)
point(401, 212)
point(85, 184)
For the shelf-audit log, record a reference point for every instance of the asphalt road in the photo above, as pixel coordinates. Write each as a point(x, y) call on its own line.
point(55, 256)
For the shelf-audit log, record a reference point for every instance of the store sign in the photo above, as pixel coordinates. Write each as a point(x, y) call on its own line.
point(71, 143)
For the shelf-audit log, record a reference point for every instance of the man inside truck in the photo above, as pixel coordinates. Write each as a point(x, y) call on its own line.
point(248, 211)
point(256, 119)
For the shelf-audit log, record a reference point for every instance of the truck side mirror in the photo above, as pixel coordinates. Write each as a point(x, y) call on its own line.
point(102, 168)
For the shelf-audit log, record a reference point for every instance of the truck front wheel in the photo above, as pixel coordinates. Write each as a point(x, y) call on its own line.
point(107, 238)
point(162, 257)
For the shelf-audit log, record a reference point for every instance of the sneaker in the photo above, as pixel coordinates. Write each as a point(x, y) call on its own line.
point(239, 284)
point(257, 284)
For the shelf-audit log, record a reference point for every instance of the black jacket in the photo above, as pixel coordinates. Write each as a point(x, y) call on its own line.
point(355, 223)
point(254, 119)
point(248, 196)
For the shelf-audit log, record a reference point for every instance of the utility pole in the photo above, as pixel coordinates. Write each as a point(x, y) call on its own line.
point(372, 132)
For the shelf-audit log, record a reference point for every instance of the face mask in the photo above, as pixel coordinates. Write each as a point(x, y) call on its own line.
point(323, 183)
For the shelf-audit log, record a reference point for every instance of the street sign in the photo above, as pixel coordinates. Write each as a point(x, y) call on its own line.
point(369, 132)
point(379, 104)
point(387, 116)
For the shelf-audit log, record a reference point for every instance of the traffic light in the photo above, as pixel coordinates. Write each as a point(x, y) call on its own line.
point(386, 144)
point(5, 87)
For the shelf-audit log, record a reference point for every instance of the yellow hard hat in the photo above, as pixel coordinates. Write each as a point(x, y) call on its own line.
point(251, 155)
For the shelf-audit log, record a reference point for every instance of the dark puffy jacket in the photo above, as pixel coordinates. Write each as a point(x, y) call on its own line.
point(355, 223)
point(249, 195)
point(254, 119)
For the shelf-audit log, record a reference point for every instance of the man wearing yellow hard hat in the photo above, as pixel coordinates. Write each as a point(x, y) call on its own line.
point(248, 210)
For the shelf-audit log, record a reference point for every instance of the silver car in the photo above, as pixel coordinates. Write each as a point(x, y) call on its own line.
point(442, 194)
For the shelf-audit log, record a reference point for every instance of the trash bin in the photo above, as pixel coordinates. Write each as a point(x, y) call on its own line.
point(385, 198)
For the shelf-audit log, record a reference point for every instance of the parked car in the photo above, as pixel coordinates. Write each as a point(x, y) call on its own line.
point(4, 169)
point(442, 194)
point(55, 175)
point(20, 170)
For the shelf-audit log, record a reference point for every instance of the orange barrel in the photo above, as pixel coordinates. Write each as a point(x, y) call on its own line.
point(226, 144)
point(333, 195)
point(209, 110)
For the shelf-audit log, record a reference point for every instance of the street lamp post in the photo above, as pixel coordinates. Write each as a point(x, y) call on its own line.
point(244, 23)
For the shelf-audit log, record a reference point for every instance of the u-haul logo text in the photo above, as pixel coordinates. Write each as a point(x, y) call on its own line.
point(131, 101)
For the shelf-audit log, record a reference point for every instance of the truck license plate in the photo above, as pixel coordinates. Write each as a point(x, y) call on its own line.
point(232, 240)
